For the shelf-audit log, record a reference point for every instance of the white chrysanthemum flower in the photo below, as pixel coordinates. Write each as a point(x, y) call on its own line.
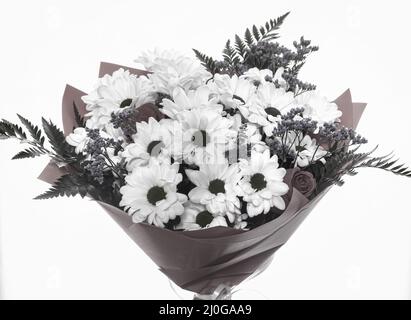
point(171, 70)
point(232, 91)
point(150, 193)
point(216, 189)
point(206, 136)
point(254, 112)
point(78, 139)
point(257, 76)
point(305, 149)
point(197, 217)
point(193, 99)
point(114, 92)
point(250, 135)
point(262, 185)
point(275, 102)
point(318, 108)
point(152, 140)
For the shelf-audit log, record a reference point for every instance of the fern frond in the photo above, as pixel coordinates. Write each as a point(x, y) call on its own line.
point(272, 26)
point(11, 130)
point(56, 138)
point(248, 38)
point(386, 164)
point(266, 32)
point(28, 153)
point(68, 185)
point(80, 121)
point(208, 62)
point(240, 46)
point(230, 54)
point(34, 131)
point(256, 33)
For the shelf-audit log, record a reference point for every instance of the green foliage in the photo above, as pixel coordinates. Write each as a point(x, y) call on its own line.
point(80, 121)
point(28, 153)
point(10, 130)
point(230, 55)
point(347, 162)
point(386, 163)
point(240, 46)
point(233, 56)
point(267, 32)
point(34, 131)
point(68, 185)
point(56, 139)
point(61, 151)
point(208, 62)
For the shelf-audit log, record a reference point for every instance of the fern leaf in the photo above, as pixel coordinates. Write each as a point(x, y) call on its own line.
point(206, 61)
point(274, 25)
point(34, 131)
point(387, 165)
point(56, 138)
point(240, 46)
point(230, 55)
point(80, 121)
point(11, 130)
point(68, 185)
point(28, 153)
point(248, 38)
point(256, 33)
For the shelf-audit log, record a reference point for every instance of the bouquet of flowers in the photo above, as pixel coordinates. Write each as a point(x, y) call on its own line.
point(208, 165)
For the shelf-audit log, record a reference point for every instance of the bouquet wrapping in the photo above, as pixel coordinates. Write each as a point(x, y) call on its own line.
point(203, 260)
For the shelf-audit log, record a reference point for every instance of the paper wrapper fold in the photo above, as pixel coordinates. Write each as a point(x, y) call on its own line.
point(202, 260)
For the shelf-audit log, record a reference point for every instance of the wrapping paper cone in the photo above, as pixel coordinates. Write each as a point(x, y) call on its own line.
point(202, 260)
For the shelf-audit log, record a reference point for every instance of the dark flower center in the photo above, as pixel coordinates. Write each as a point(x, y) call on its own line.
point(154, 147)
point(200, 138)
point(204, 218)
point(156, 194)
point(258, 182)
point(216, 186)
point(126, 103)
point(272, 111)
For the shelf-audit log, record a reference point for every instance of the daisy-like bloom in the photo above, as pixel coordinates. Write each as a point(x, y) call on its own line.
point(196, 217)
point(252, 137)
point(305, 149)
point(262, 185)
point(216, 189)
point(232, 91)
point(193, 99)
point(275, 101)
point(115, 92)
point(318, 108)
point(171, 70)
point(78, 139)
point(206, 136)
point(152, 140)
point(257, 76)
point(150, 193)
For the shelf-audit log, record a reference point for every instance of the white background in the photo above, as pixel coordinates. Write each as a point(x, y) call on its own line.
point(357, 242)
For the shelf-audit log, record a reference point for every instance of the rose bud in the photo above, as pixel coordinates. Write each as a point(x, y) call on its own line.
point(304, 182)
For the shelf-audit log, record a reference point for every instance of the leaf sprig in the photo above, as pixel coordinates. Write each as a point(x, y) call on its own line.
point(60, 152)
point(232, 56)
point(68, 185)
point(347, 162)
